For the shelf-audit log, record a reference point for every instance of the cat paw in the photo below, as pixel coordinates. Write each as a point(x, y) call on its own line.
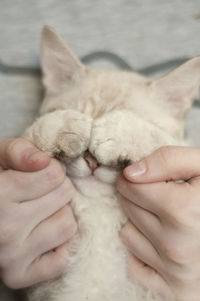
point(62, 134)
point(109, 154)
point(108, 144)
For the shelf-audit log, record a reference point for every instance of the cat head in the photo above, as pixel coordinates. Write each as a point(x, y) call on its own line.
point(161, 104)
point(70, 84)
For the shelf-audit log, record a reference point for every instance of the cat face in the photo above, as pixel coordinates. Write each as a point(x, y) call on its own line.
point(116, 139)
point(122, 115)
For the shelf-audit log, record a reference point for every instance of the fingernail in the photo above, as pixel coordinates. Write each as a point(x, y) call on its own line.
point(136, 169)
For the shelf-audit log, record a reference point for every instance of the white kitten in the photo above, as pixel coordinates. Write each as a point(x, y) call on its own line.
point(96, 121)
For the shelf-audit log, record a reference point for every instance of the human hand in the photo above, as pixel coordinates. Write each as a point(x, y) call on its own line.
point(163, 232)
point(36, 221)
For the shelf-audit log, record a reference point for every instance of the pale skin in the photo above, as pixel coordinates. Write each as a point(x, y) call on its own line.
point(35, 215)
point(163, 234)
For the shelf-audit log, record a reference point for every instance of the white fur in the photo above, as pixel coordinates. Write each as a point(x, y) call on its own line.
point(117, 116)
point(98, 267)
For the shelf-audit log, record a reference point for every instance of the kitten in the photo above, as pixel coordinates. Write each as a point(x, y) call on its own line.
point(96, 121)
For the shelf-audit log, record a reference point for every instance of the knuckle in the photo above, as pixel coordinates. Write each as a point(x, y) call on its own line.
point(64, 194)
point(64, 228)
point(12, 281)
point(9, 232)
point(69, 189)
point(72, 228)
point(179, 211)
point(68, 229)
point(18, 180)
point(61, 263)
point(182, 216)
point(123, 186)
point(167, 154)
point(54, 174)
point(174, 252)
point(10, 273)
point(12, 146)
point(125, 235)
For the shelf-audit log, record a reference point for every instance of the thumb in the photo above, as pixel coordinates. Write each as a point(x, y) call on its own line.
point(20, 154)
point(168, 163)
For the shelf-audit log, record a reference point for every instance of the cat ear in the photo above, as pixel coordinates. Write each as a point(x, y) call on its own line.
point(60, 66)
point(179, 87)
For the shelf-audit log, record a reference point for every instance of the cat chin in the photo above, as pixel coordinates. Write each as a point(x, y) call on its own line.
point(79, 169)
point(93, 188)
point(106, 174)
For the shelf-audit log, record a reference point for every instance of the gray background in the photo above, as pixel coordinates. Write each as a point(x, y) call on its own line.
point(142, 32)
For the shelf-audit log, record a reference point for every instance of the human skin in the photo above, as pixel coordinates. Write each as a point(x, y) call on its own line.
point(163, 232)
point(35, 199)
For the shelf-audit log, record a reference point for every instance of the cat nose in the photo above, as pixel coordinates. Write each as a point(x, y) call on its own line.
point(91, 161)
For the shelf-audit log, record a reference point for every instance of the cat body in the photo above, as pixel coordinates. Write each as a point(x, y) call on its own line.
point(96, 121)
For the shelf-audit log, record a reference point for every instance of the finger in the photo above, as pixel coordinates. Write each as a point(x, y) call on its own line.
point(140, 246)
point(20, 154)
point(147, 277)
point(39, 209)
point(148, 223)
point(52, 232)
point(157, 198)
point(31, 185)
point(47, 267)
point(166, 164)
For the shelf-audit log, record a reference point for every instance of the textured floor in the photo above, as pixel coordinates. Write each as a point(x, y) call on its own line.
point(141, 32)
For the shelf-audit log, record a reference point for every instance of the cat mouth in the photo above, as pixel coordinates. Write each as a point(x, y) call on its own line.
point(91, 161)
point(88, 166)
